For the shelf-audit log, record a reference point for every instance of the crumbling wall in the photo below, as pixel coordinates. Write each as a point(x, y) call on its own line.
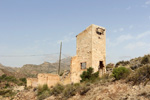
point(65, 78)
point(53, 79)
point(49, 79)
point(32, 82)
point(75, 70)
point(42, 78)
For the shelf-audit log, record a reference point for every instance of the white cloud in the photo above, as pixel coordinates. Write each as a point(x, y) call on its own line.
point(121, 29)
point(118, 30)
point(136, 45)
point(144, 34)
point(115, 31)
point(147, 2)
point(128, 8)
point(119, 40)
point(131, 26)
point(127, 37)
point(123, 38)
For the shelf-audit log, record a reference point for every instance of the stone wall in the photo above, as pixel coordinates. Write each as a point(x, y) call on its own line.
point(49, 79)
point(32, 82)
point(65, 78)
point(98, 49)
point(84, 46)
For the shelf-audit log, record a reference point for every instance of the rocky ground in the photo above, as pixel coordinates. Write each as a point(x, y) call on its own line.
point(26, 95)
point(118, 90)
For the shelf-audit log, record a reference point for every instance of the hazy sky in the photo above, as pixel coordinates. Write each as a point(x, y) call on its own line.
point(31, 28)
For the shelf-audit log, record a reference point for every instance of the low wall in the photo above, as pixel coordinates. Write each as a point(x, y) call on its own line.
point(75, 70)
point(33, 82)
point(49, 79)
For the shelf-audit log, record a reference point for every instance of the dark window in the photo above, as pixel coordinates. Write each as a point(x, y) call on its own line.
point(100, 31)
point(83, 65)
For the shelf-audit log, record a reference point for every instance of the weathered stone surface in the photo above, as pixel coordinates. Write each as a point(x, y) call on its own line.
point(65, 79)
point(19, 88)
point(49, 79)
point(33, 82)
point(53, 79)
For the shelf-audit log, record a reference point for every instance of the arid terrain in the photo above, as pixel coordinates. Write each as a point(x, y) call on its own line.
point(134, 86)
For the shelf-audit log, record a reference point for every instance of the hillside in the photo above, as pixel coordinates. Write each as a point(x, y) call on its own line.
point(10, 71)
point(135, 62)
point(134, 86)
point(101, 91)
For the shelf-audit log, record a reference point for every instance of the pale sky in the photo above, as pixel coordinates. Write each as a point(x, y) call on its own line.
point(31, 30)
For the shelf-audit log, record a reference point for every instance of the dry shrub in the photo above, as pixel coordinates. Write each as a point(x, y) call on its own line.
point(57, 89)
point(141, 75)
point(43, 92)
point(122, 63)
point(69, 91)
point(84, 90)
point(145, 60)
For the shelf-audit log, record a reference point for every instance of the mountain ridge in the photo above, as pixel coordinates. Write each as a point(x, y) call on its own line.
point(31, 70)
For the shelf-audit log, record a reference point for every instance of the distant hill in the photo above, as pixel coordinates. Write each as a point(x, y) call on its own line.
point(31, 70)
point(10, 71)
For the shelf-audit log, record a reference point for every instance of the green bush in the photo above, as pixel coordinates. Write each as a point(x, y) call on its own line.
point(44, 95)
point(145, 60)
point(8, 78)
point(58, 89)
point(120, 73)
point(141, 75)
point(43, 92)
point(23, 80)
point(89, 75)
point(43, 88)
point(7, 85)
point(7, 92)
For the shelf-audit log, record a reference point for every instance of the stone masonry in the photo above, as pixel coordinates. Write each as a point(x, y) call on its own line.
point(90, 52)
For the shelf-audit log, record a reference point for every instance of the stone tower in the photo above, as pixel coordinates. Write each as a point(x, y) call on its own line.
point(90, 52)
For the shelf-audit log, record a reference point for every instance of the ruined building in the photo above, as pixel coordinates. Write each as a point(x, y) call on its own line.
point(90, 52)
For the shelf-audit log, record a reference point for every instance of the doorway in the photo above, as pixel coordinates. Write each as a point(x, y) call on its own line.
point(101, 66)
